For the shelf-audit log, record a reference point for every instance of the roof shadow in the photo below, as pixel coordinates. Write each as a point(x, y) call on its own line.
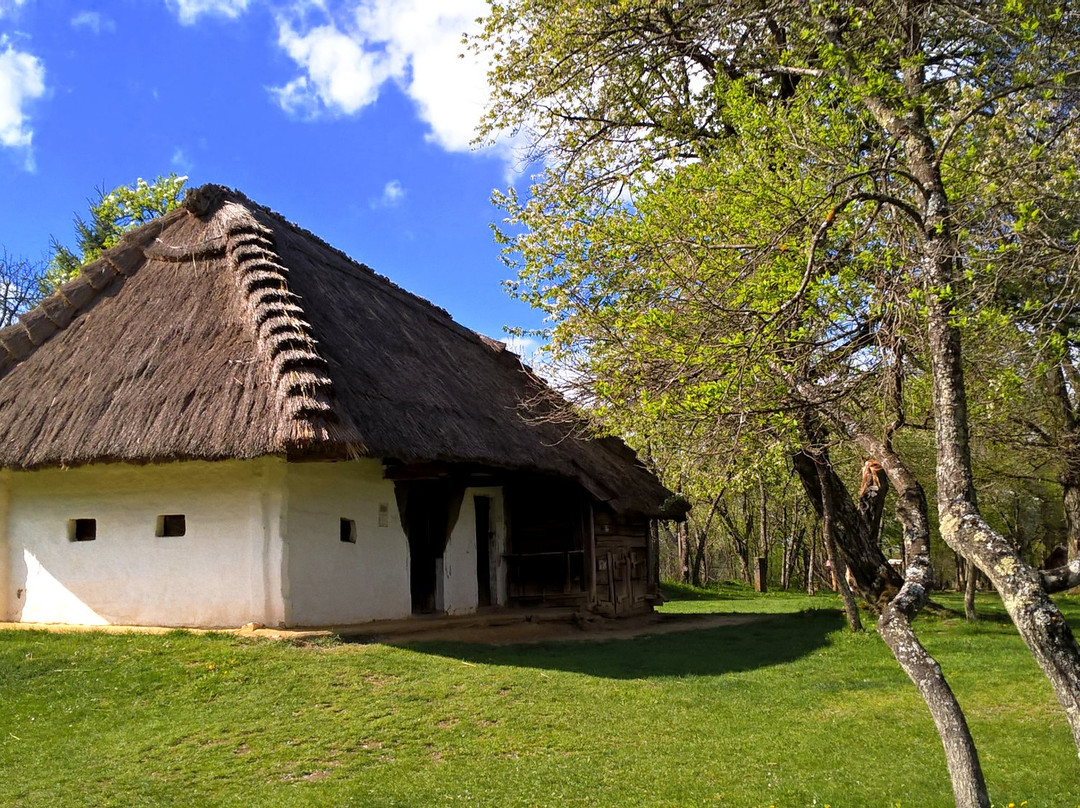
point(698, 652)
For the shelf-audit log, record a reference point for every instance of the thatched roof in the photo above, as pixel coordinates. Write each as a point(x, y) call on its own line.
point(223, 331)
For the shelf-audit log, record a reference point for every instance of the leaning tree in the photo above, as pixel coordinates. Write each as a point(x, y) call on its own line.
point(826, 169)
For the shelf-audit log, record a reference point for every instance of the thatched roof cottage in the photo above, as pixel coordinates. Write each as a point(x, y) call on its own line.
point(226, 420)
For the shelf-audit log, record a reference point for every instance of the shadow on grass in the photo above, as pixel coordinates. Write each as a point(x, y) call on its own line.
point(702, 652)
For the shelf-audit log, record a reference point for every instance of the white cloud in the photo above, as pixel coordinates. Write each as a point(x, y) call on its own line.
point(22, 79)
point(189, 11)
point(416, 43)
point(524, 345)
point(448, 85)
point(93, 21)
point(339, 72)
point(392, 195)
point(8, 6)
point(181, 162)
point(298, 98)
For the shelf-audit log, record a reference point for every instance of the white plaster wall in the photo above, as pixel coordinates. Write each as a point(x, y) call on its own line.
point(225, 571)
point(459, 560)
point(5, 550)
point(331, 582)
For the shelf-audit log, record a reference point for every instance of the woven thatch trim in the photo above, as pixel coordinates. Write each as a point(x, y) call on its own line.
point(78, 294)
point(210, 248)
point(16, 342)
point(59, 310)
point(303, 388)
point(124, 259)
point(38, 326)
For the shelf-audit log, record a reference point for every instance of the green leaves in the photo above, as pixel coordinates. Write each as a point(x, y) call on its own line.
point(731, 206)
point(112, 215)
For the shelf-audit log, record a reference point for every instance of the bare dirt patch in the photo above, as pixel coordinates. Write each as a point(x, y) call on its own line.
point(579, 628)
point(501, 627)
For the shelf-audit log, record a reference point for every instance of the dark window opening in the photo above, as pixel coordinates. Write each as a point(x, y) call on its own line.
point(171, 524)
point(82, 529)
point(348, 531)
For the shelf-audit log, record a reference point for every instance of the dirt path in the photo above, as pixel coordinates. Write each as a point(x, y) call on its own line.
point(496, 628)
point(558, 630)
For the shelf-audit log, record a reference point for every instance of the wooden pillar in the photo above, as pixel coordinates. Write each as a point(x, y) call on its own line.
point(761, 571)
point(590, 552)
point(652, 558)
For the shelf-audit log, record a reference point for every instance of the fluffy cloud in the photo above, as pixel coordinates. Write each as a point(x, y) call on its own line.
point(189, 11)
point(7, 6)
point(392, 195)
point(415, 43)
point(22, 79)
point(92, 21)
point(181, 162)
point(340, 73)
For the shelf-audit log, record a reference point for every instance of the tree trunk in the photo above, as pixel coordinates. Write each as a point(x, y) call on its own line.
point(1071, 503)
point(786, 560)
point(684, 552)
point(861, 552)
point(699, 557)
point(839, 573)
point(763, 523)
point(970, 583)
point(740, 536)
point(963, 528)
point(700, 574)
point(961, 756)
point(1069, 430)
point(792, 551)
point(819, 482)
point(894, 624)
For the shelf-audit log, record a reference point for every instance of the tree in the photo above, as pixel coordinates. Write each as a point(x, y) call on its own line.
point(111, 215)
point(873, 123)
point(19, 287)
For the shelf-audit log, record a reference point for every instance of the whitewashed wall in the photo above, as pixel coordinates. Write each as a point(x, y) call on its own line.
point(459, 559)
point(225, 571)
point(262, 544)
point(331, 582)
point(6, 593)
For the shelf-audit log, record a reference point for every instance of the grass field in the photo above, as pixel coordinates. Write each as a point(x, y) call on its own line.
point(788, 711)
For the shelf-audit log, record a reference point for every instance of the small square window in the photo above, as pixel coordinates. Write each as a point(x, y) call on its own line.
point(384, 515)
point(82, 529)
point(171, 524)
point(348, 531)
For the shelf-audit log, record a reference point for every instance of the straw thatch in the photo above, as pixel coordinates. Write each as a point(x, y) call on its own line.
point(223, 331)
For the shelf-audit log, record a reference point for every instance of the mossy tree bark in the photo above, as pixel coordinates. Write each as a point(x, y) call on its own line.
point(897, 601)
point(1068, 418)
point(963, 528)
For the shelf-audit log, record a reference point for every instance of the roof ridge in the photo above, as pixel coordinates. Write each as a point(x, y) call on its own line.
point(205, 197)
point(298, 371)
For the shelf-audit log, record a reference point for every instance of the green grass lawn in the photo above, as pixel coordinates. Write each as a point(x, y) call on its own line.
point(788, 711)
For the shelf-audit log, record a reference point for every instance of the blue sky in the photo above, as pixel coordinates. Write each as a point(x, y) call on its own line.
point(351, 118)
